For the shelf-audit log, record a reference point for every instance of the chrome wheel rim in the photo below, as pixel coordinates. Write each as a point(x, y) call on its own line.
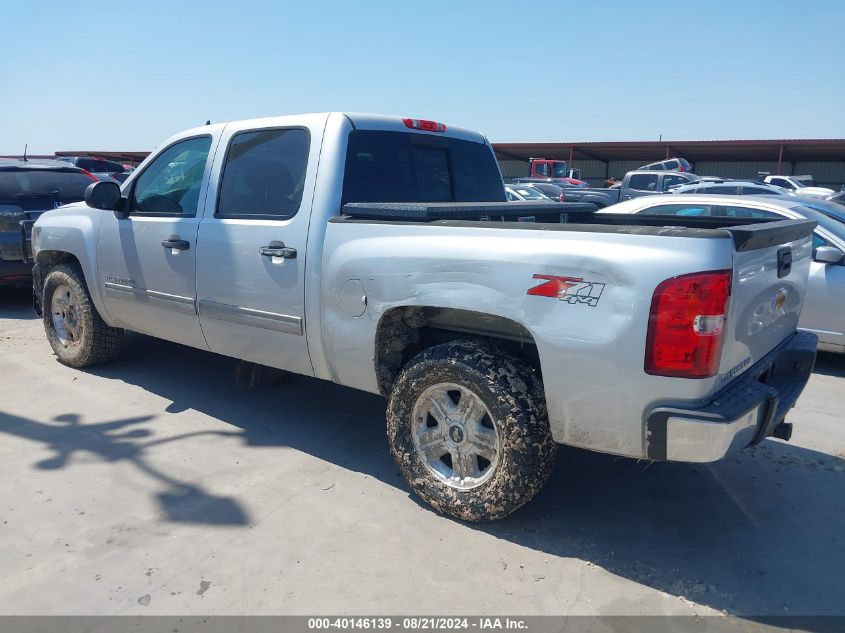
point(65, 315)
point(454, 436)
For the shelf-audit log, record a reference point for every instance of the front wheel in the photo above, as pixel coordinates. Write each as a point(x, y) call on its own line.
point(76, 332)
point(467, 426)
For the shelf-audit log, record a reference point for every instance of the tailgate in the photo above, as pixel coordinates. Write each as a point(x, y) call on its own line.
point(771, 266)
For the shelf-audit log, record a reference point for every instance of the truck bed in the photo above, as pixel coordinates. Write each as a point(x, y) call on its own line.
point(482, 211)
point(747, 233)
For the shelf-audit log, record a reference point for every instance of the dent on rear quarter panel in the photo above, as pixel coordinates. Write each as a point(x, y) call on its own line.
point(591, 356)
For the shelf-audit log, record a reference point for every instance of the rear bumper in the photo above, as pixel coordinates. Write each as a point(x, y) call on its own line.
point(745, 412)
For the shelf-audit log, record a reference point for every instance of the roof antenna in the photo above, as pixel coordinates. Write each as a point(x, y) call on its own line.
point(208, 122)
point(25, 147)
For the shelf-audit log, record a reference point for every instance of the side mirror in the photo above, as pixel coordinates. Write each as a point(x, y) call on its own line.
point(102, 195)
point(828, 255)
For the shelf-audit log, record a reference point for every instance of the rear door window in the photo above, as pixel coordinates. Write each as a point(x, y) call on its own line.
point(264, 174)
point(408, 167)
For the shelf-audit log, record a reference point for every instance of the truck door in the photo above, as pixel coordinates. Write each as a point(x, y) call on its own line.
point(824, 303)
point(251, 244)
point(147, 261)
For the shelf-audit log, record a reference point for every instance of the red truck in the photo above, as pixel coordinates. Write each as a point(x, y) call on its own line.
point(556, 169)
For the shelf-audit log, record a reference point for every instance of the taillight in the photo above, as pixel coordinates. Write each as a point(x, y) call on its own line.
point(90, 175)
point(561, 198)
point(422, 124)
point(686, 325)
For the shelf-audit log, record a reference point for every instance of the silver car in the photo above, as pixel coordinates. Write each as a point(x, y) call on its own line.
point(519, 192)
point(824, 304)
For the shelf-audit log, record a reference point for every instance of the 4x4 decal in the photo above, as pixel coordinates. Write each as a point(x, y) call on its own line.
point(570, 289)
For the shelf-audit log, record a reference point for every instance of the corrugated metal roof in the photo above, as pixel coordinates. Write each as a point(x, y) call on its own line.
point(788, 150)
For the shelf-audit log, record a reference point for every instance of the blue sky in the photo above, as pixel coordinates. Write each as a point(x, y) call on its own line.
point(125, 75)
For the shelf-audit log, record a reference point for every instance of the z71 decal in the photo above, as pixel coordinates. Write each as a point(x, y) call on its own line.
point(570, 289)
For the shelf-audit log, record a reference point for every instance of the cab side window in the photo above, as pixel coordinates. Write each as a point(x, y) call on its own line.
point(643, 182)
point(264, 174)
point(170, 185)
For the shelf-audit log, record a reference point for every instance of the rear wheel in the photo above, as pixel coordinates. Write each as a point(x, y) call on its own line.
point(76, 332)
point(467, 427)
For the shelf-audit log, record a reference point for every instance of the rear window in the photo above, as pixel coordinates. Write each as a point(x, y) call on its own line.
point(407, 167)
point(59, 187)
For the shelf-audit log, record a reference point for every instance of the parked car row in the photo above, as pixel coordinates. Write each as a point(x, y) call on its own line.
point(824, 303)
point(28, 189)
point(775, 196)
point(634, 184)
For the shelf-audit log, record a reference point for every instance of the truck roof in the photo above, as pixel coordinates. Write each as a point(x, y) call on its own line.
point(359, 120)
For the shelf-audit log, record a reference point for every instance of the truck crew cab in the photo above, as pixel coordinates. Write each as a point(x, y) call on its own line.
point(379, 253)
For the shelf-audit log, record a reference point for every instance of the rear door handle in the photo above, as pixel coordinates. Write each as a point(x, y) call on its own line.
point(175, 242)
point(278, 250)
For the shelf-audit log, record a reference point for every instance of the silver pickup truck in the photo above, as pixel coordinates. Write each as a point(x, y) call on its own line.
point(379, 253)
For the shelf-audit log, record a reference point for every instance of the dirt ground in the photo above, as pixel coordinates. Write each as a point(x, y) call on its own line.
point(156, 484)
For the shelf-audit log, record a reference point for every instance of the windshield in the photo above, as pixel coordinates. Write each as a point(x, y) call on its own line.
point(561, 170)
point(38, 189)
point(804, 181)
point(408, 167)
point(828, 214)
point(826, 218)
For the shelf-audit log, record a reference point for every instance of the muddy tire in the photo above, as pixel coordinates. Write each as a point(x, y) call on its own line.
point(76, 332)
point(468, 428)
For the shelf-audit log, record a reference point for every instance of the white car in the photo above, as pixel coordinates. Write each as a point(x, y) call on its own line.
point(805, 185)
point(518, 192)
point(824, 303)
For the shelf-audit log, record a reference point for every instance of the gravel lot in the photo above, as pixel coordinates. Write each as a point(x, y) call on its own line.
point(157, 484)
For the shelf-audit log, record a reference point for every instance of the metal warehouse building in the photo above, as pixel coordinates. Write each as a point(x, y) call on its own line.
point(824, 159)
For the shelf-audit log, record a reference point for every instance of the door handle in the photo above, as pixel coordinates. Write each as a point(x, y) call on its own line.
point(278, 250)
point(175, 242)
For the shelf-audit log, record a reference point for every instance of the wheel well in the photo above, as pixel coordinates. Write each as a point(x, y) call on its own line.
point(52, 258)
point(44, 261)
point(405, 332)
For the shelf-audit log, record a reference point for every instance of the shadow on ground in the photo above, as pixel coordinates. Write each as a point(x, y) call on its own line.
point(829, 364)
point(16, 303)
point(763, 533)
